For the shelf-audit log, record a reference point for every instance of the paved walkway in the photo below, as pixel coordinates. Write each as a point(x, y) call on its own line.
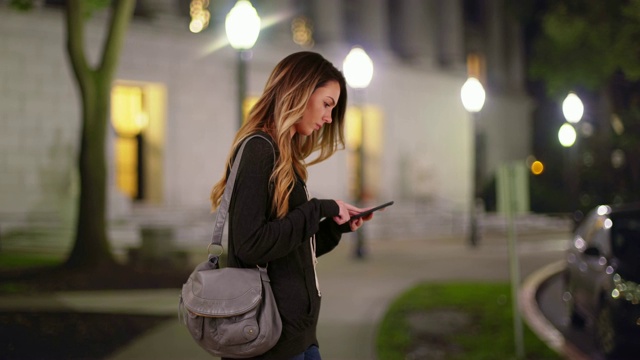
point(355, 292)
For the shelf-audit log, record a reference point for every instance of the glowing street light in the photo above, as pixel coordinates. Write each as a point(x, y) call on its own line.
point(567, 135)
point(358, 68)
point(473, 96)
point(358, 71)
point(572, 108)
point(242, 25)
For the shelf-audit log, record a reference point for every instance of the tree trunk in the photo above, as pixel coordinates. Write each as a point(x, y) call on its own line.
point(91, 247)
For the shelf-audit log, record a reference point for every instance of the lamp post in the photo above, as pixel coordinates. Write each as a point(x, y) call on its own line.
point(473, 97)
point(358, 71)
point(572, 109)
point(242, 26)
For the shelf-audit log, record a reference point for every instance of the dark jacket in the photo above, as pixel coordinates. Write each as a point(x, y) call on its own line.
point(257, 237)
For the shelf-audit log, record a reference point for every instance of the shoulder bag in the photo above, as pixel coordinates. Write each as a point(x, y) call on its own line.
point(230, 312)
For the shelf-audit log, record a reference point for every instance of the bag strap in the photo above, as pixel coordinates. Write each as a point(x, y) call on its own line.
point(223, 210)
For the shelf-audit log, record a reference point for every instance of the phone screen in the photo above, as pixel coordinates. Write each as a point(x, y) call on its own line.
point(365, 213)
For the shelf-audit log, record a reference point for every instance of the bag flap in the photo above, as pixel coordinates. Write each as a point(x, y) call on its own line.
point(222, 292)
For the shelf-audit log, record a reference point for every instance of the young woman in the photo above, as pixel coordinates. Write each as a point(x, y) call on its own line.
point(272, 219)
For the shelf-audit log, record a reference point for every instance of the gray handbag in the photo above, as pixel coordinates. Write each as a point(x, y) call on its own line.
point(230, 312)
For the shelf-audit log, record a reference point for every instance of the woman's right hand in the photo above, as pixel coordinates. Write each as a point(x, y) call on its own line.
point(346, 210)
point(343, 216)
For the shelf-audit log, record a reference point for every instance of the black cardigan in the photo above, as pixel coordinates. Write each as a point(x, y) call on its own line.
point(257, 237)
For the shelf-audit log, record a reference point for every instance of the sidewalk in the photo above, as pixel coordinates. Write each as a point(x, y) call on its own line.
point(355, 292)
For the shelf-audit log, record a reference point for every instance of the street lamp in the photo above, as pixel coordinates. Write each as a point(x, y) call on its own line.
point(358, 68)
point(567, 135)
point(473, 97)
point(358, 71)
point(242, 25)
point(572, 109)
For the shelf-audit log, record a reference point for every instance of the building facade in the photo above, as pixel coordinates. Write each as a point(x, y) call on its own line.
point(178, 90)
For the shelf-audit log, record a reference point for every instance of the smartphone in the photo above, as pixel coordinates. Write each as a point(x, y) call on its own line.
point(365, 213)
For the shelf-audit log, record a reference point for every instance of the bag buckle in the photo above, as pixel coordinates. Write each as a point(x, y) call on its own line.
point(212, 245)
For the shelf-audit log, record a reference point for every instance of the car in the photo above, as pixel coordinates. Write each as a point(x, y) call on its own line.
point(601, 277)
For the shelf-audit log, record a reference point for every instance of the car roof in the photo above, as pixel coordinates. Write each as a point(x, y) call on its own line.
point(625, 209)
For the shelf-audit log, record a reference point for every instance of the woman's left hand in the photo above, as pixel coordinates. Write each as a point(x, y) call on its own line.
point(356, 223)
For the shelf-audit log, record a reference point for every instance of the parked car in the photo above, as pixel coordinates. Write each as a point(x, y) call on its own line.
point(602, 275)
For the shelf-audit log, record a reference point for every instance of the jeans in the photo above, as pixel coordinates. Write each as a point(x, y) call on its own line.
point(312, 353)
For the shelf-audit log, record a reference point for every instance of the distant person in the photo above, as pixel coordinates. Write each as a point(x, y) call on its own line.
point(272, 219)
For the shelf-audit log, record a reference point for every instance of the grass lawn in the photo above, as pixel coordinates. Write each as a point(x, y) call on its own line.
point(10, 261)
point(454, 321)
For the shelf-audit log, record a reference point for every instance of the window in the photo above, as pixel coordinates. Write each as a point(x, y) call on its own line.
point(137, 116)
point(364, 157)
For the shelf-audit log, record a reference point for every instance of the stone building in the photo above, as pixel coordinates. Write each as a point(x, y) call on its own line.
point(182, 85)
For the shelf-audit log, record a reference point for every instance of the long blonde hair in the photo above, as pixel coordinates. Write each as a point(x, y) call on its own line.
point(280, 107)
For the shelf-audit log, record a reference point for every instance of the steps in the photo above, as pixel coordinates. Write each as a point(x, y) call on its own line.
point(192, 228)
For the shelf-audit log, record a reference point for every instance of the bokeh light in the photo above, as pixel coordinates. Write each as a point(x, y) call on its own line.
point(200, 15)
point(537, 167)
point(358, 68)
point(572, 108)
point(302, 31)
point(567, 135)
point(472, 95)
point(242, 25)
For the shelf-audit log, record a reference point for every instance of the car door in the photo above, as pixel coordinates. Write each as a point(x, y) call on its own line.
point(596, 257)
point(574, 257)
point(581, 241)
point(576, 264)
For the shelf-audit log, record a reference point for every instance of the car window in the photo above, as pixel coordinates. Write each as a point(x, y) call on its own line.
point(586, 226)
point(592, 229)
point(600, 240)
point(625, 239)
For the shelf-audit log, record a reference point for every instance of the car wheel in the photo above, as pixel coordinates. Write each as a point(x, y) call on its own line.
point(575, 319)
point(605, 332)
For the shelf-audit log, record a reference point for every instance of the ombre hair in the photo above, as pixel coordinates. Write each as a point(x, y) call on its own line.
point(280, 107)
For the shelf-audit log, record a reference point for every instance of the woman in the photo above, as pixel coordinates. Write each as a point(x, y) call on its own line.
point(271, 218)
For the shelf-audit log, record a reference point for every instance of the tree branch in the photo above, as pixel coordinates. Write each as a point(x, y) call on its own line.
point(120, 17)
point(75, 40)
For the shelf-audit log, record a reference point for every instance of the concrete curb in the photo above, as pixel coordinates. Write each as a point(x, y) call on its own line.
point(537, 321)
point(160, 302)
